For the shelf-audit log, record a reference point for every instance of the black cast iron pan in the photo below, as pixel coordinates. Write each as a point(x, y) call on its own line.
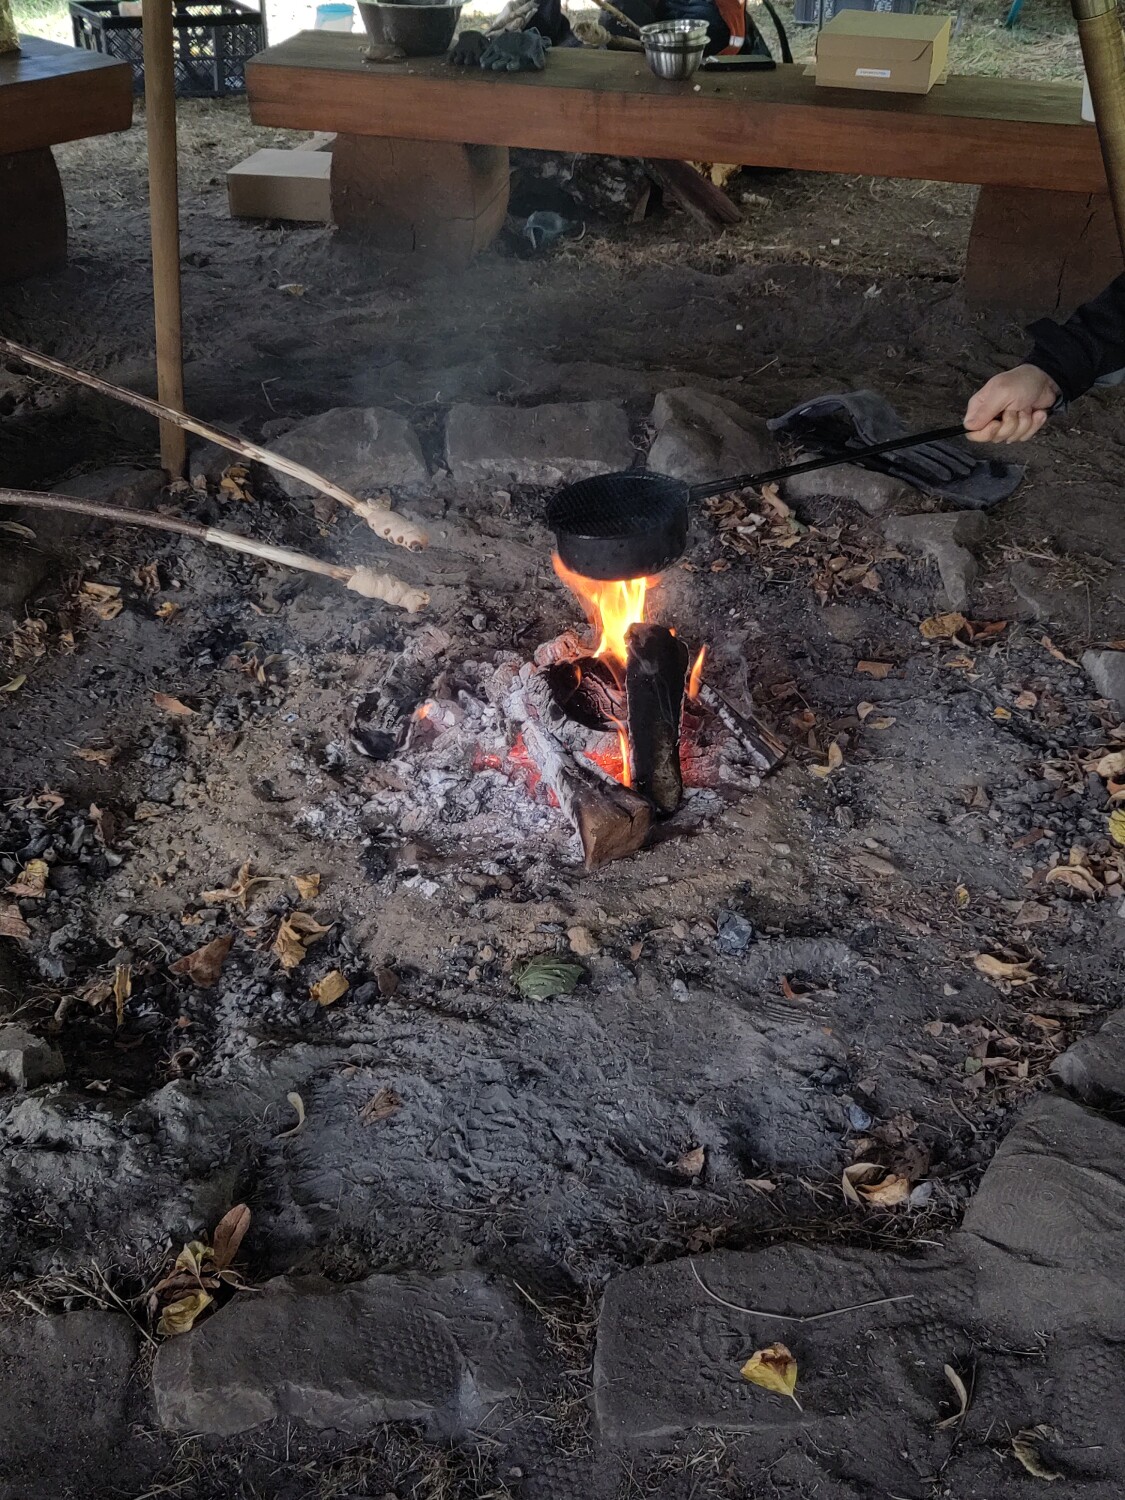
point(635, 523)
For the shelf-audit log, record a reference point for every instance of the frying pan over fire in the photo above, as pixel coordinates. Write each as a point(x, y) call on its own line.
point(635, 523)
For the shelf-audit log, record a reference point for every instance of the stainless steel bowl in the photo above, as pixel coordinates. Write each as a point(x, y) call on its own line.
point(419, 29)
point(674, 49)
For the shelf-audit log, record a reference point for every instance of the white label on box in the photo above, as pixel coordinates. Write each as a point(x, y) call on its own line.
point(873, 72)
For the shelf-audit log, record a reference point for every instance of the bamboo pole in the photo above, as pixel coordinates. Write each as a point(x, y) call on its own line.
point(1103, 54)
point(164, 219)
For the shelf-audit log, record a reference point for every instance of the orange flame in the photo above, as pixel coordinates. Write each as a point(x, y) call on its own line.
point(695, 681)
point(611, 607)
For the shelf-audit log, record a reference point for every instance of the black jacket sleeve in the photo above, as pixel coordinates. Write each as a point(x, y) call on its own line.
point(1090, 344)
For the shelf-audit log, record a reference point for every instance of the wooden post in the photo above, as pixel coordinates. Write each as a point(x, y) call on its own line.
point(164, 218)
point(1103, 55)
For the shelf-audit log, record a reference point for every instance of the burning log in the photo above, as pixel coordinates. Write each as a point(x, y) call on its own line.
point(761, 744)
point(656, 668)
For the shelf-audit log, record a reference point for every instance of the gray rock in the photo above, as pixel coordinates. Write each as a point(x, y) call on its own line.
point(119, 484)
point(700, 437)
point(362, 448)
point(1093, 1068)
point(873, 492)
point(544, 445)
point(27, 1060)
point(65, 1387)
point(1106, 670)
point(441, 1352)
point(943, 538)
point(209, 461)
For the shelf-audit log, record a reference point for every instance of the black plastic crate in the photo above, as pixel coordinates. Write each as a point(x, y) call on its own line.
point(212, 42)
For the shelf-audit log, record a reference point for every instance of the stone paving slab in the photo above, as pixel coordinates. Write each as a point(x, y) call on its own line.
point(362, 448)
point(552, 444)
point(439, 1352)
point(1093, 1069)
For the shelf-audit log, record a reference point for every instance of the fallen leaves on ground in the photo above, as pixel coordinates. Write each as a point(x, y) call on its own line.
point(204, 966)
point(246, 882)
point(97, 757)
point(166, 609)
point(122, 989)
point(380, 1107)
point(773, 1369)
point(866, 1184)
point(944, 627)
point(147, 578)
point(102, 599)
point(14, 685)
point(12, 924)
point(962, 1395)
point(234, 482)
point(331, 988)
point(31, 882)
point(877, 669)
point(1052, 650)
point(834, 762)
point(299, 1110)
point(105, 825)
point(1000, 971)
point(545, 976)
point(1111, 766)
point(1025, 1447)
point(1116, 826)
point(296, 934)
point(174, 706)
point(179, 1316)
point(1026, 699)
point(198, 1272)
point(1077, 875)
point(308, 886)
point(690, 1163)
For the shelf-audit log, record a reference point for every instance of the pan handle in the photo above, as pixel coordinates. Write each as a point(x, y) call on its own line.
point(829, 461)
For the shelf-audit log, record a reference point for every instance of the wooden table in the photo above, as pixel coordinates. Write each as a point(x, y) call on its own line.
point(1042, 232)
point(49, 94)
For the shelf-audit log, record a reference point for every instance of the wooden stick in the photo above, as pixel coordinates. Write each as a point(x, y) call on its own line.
point(366, 581)
point(164, 222)
point(612, 821)
point(697, 195)
point(618, 15)
point(384, 521)
point(761, 744)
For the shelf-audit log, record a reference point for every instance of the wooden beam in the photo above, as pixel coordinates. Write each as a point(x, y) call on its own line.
point(1040, 252)
point(164, 218)
point(50, 94)
point(32, 216)
point(1000, 131)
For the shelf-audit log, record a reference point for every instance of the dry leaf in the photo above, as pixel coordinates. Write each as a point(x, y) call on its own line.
point(986, 630)
point(229, 1234)
point(298, 931)
point(879, 669)
point(1049, 646)
point(883, 721)
point(104, 757)
point(1026, 699)
point(147, 578)
point(328, 990)
point(299, 1107)
point(771, 499)
point(31, 881)
point(774, 1369)
point(999, 971)
point(15, 684)
point(863, 710)
point(690, 1163)
point(943, 627)
point(866, 1183)
point(835, 761)
point(204, 966)
point(961, 897)
point(105, 826)
point(1001, 713)
point(960, 663)
point(962, 1398)
point(1077, 877)
point(102, 598)
point(166, 610)
point(12, 924)
point(1025, 1448)
point(179, 1316)
point(1112, 765)
point(233, 482)
point(169, 705)
point(122, 989)
point(1116, 826)
point(244, 886)
point(380, 1107)
point(308, 886)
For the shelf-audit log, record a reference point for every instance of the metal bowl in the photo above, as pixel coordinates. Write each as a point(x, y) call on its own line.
point(420, 29)
point(674, 49)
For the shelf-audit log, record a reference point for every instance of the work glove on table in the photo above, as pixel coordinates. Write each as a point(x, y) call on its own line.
point(468, 49)
point(856, 419)
point(516, 52)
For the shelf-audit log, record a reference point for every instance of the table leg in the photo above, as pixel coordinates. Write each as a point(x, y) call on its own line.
point(440, 201)
point(1040, 251)
point(32, 215)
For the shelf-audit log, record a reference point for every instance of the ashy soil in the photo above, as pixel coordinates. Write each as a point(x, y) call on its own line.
point(785, 987)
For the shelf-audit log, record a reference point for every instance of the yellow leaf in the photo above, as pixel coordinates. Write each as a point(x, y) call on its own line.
point(866, 1183)
point(1001, 713)
point(961, 897)
point(166, 610)
point(122, 989)
point(298, 931)
point(308, 886)
point(32, 881)
point(999, 971)
point(1024, 1447)
point(1116, 826)
point(1079, 879)
point(15, 684)
point(179, 1316)
point(774, 1369)
point(169, 705)
point(835, 761)
point(943, 627)
point(328, 990)
point(103, 599)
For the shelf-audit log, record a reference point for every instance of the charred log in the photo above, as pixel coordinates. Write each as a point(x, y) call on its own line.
point(612, 821)
point(760, 743)
point(655, 674)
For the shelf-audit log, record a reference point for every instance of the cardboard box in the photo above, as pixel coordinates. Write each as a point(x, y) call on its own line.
point(865, 49)
point(282, 185)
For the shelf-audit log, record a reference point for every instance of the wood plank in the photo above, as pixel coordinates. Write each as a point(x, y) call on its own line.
point(1040, 252)
point(32, 216)
point(50, 93)
point(1002, 132)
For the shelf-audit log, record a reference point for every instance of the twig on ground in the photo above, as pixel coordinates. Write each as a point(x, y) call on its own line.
point(833, 1312)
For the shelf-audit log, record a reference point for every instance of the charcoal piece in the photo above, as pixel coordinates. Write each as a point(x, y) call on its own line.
point(587, 692)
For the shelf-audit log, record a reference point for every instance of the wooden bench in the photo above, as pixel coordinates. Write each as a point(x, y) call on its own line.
point(421, 154)
point(49, 94)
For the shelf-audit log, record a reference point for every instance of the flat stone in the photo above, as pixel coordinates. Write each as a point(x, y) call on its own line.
point(65, 1388)
point(701, 437)
point(209, 461)
point(26, 1060)
point(440, 1352)
point(118, 484)
point(1093, 1068)
point(361, 448)
point(1106, 670)
point(873, 492)
point(943, 537)
point(552, 444)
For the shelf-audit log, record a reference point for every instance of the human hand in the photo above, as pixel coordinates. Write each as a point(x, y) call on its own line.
point(1011, 407)
point(468, 49)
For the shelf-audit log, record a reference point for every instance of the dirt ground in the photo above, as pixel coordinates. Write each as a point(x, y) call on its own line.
point(695, 1090)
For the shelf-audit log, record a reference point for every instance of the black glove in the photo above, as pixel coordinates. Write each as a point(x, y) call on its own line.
point(516, 52)
point(859, 419)
point(468, 49)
